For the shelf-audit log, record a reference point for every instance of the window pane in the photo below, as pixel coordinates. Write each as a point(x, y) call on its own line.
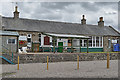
point(53, 42)
point(69, 41)
point(75, 43)
point(93, 41)
point(90, 41)
point(85, 43)
point(28, 39)
point(97, 41)
point(81, 43)
point(100, 41)
point(11, 41)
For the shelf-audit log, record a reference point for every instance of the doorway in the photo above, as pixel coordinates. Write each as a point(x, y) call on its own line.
point(60, 47)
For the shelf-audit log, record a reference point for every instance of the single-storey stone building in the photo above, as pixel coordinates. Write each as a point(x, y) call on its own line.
point(32, 33)
point(9, 41)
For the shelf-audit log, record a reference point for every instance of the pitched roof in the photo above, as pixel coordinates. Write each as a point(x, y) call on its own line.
point(57, 27)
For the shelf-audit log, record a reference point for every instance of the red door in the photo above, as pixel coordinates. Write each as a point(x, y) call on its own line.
point(46, 40)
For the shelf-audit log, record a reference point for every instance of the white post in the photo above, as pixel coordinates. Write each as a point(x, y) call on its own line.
point(82, 42)
point(92, 41)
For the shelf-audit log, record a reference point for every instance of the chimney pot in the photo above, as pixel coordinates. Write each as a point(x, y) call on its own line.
point(101, 22)
point(16, 13)
point(101, 18)
point(83, 21)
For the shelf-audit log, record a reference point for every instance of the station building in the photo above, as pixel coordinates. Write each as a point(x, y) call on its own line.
point(42, 36)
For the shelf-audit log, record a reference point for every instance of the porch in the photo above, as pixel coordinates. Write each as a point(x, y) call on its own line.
point(60, 47)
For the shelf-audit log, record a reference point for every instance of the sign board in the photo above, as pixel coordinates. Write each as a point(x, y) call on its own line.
point(29, 44)
point(109, 43)
point(24, 38)
point(114, 41)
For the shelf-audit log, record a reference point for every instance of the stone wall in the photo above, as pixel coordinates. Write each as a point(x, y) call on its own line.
point(105, 43)
point(35, 35)
point(41, 58)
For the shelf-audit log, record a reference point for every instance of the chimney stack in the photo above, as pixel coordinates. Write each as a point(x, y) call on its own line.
point(16, 13)
point(101, 22)
point(83, 21)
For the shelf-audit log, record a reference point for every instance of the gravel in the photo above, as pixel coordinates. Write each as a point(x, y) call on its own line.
point(88, 69)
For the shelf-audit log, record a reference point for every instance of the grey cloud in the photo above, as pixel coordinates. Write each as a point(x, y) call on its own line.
point(105, 3)
point(112, 5)
point(118, 6)
point(89, 6)
point(56, 5)
point(96, 6)
point(52, 17)
point(68, 11)
point(47, 10)
point(48, 16)
point(111, 13)
point(24, 8)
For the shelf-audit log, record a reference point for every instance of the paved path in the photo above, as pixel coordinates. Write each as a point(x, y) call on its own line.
point(88, 69)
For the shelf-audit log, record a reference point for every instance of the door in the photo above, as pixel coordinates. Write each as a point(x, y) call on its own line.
point(36, 47)
point(46, 40)
point(60, 47)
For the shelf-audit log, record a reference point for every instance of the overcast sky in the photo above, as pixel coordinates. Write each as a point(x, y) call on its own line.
point(65, 11)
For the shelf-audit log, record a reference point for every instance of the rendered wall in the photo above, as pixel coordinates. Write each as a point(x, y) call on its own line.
point(8, 47)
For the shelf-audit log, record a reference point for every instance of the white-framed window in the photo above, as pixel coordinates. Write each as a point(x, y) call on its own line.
point(85, 43)
point(11, 41)
point(97, 41)
point(90, 41)
point(100, 42)
point(94, 41)
point(52, 43)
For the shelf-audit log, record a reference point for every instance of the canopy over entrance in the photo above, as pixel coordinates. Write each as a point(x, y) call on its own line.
point(67, 36)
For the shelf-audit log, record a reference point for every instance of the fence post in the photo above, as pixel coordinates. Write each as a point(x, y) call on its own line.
point(108, 60)
point(18, 63)
point(47, 62)
point(77, 62)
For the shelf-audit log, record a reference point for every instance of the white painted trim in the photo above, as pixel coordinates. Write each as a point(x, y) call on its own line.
point(42, 41)
point(11, 43)
point(102, 41)
point(92, 47)
point(82, 42)
point(7, 41)
point(92, 41)
point(15, 41)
